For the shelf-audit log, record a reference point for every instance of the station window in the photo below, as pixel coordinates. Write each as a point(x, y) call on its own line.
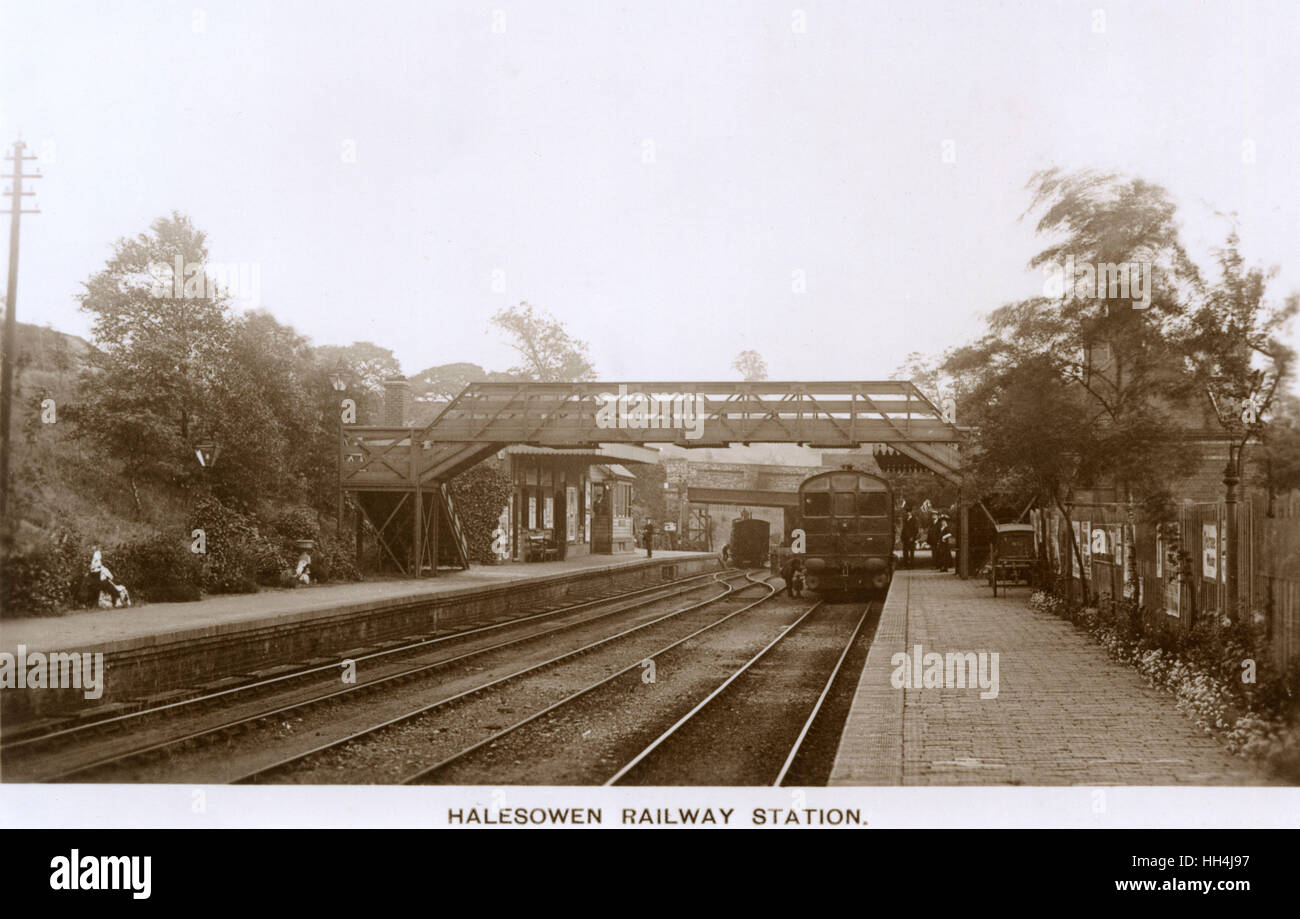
point(622, 499)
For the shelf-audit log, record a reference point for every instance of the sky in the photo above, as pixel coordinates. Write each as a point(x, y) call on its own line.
point(834, 185)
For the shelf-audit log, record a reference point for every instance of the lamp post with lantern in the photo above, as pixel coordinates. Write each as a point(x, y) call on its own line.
point(1238, 409)
point(207, 453)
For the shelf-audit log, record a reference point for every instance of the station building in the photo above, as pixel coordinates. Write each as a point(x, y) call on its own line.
point(564, 503)
point(570, 503)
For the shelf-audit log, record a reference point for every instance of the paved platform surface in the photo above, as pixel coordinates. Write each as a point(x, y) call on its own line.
point(107, 629)
point(1064, 714)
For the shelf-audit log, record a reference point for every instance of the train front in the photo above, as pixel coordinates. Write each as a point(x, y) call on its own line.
point(848, 519)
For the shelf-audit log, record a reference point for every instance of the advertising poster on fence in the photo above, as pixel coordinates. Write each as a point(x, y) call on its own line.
point(1210, 550)
point(1127, 545)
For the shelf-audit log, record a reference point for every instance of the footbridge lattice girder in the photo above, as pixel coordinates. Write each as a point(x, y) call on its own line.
point(832, 415)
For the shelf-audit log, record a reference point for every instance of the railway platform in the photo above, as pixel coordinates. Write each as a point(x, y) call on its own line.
point(1055, 710)
point(160, 647)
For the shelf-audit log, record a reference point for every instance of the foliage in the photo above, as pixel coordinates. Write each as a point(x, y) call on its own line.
point(237, 557)
point(444, 382)
point(1281, 446)
point(45, 577)
point(1204, 669)
point(550, 354)
point(480, 495)
point(172, 371)
point(926, 373)
point(750, 365)
point(294, 523)
point(160, 358)
point(1077, 390)
point(54, 574)
point(1234, 337)
point(648, 494)
point(332, 558)
point(368, 364)
point(157, 569)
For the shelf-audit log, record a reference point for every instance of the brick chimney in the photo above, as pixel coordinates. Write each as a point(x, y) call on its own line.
point(397, 400)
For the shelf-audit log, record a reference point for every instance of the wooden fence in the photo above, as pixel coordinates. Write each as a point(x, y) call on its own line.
point(1123, 557)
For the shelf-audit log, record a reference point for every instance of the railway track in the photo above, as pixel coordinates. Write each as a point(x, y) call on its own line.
point(773, 717)
point(277, 768)
point(429, 775)
point(752, 709)
point(68, 752)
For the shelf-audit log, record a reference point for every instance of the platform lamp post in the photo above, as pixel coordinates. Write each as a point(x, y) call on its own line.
point(207, 453)
point(339, 380)
point(1238, 414)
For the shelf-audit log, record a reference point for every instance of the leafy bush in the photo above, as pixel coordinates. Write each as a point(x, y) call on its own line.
point(334, 559)
point(158, 569)
point(237, 557)
point(1205, 669)
point(45, 577)
point(296, 523)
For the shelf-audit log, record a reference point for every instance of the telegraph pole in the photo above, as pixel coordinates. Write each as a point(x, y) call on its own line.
point(16, 193)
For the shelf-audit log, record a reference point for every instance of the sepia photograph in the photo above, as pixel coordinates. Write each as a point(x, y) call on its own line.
point(474, 414)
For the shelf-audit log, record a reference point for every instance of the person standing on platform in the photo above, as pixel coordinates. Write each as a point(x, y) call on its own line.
point(944, 546)
point(932, 535)
point(648, 537)
point(911, 529)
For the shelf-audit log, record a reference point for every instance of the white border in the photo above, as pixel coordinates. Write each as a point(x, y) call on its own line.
point(223, 806)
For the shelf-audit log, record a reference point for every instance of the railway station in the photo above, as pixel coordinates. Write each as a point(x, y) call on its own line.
point(575, 594)
point(566, 543)
point(609, 415)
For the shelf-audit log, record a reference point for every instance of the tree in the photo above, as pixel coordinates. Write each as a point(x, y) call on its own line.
point(163, 343)
point(1126, 363)
point(368, 363)
point(443, 382)
point(925, 372)
point(549, 353)
point(174, 368)
point(1281, 446)
point(750, 365)
point(648, 492)
point(1035, 437)
point(1078, 388)
point(1234, 345)
point(282, 379)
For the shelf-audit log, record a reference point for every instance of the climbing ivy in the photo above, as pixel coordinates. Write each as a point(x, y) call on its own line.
point(480, 495)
